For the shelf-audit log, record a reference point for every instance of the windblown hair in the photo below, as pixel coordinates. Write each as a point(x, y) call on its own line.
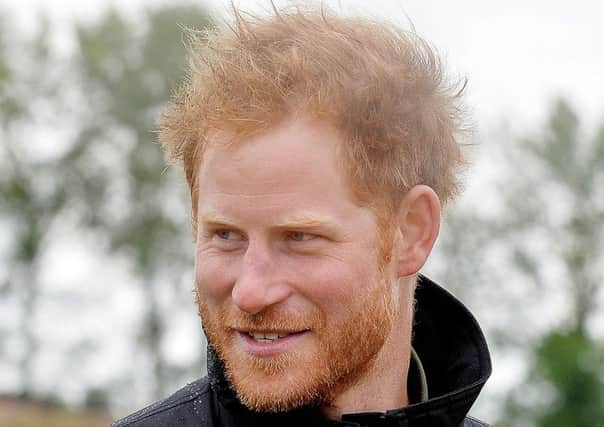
point(382, 87)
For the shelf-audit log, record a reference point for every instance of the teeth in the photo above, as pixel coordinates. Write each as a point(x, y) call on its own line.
point(266, 337)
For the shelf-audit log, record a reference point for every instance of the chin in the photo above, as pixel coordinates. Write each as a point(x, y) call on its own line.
point(277, 384)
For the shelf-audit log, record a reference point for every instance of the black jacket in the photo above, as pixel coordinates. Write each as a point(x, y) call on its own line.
point(448, 342)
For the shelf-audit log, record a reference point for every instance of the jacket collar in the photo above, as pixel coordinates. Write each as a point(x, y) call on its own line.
point(455, 358)
point(453, 353)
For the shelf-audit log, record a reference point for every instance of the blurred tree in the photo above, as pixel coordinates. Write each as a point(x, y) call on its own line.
point(30, 193)
point(104, 171)
point(128, 72)
point(571, 166)
point(556, 198)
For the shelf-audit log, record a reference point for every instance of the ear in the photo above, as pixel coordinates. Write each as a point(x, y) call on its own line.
point(418, 226)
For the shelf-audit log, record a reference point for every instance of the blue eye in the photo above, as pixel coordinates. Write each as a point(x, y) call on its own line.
point(228, 235)
point(299, 236)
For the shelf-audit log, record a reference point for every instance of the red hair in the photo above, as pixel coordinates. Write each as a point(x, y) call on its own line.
point(382, 87)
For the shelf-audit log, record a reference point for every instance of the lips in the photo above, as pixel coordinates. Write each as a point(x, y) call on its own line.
point(268, 337)
point(269, 343)
point(262, 335)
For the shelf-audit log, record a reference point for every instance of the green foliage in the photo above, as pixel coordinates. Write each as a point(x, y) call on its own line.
point(565, 384)
point(574, 364)
point(569, 368)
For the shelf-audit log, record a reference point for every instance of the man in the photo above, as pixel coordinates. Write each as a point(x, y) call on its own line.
point(318, 151)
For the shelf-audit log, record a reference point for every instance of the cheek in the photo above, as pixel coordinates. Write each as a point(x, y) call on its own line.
point(214, 277)
point(332, 285)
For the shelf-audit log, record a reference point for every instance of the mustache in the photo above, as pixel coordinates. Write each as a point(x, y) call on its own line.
point(270, 319)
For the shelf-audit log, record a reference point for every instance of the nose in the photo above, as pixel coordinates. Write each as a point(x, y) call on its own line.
point(258, 285)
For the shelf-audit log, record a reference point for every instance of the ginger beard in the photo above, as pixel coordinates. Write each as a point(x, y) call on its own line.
point(331, 358)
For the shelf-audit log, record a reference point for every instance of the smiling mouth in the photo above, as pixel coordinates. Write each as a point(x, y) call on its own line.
point(268, 337)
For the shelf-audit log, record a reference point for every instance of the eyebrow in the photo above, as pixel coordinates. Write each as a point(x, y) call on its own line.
point(211, 218)
point(305, 222)
point(295, 222)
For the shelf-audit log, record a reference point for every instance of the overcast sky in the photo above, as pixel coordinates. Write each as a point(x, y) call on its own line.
point(517, 54)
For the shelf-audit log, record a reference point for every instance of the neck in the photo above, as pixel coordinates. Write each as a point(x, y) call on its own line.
point(383, 386)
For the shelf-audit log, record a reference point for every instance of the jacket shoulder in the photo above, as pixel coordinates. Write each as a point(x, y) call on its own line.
point(187, 406)
point(473, 422)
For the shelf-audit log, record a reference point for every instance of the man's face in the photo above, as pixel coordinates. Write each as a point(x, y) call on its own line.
point(291, 291)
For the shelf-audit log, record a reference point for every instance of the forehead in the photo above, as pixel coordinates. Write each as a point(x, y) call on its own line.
point(290, 147)
point(294, 165)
